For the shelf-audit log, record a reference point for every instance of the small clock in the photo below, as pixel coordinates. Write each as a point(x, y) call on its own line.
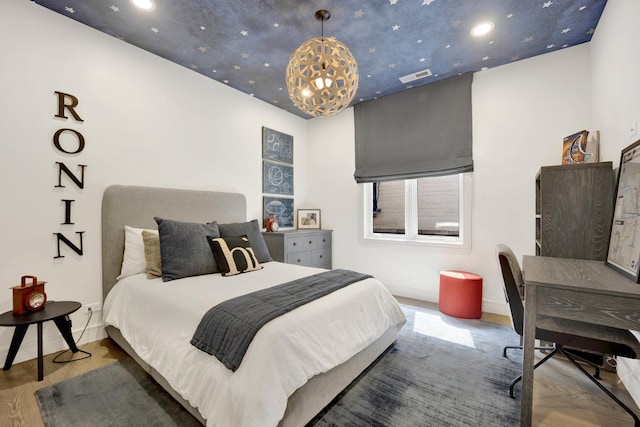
point(35, 300)
point(29, 295)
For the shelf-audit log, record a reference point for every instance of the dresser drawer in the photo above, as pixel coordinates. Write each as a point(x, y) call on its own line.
point(299, 243)
point(322, 241)
point(300, 258)
point(321, 258)
point(306, 242)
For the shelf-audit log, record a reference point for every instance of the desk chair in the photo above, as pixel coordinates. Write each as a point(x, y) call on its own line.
point(562, 332)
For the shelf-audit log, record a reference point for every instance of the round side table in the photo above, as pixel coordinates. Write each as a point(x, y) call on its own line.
point(58, 311)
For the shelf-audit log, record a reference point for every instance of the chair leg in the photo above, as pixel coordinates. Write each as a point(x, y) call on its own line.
point(517, 379)
point(504, 350)
point(571, 356)
point(519, 347)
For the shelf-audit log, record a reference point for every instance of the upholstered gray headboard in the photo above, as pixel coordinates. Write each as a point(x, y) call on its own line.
point(136, 207)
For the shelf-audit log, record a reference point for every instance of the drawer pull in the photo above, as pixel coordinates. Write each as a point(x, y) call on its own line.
point(298, 259)
point(324, 240)
point(294, 243)
point(320, 256)
point(310, 242)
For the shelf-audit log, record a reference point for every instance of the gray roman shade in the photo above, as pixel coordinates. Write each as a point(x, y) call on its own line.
point(425, 131)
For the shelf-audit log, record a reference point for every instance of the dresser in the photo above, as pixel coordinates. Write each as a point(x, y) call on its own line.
point(311, 248)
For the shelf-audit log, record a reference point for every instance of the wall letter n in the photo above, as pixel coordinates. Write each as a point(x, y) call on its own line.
point(69, 243)
point(63, 168)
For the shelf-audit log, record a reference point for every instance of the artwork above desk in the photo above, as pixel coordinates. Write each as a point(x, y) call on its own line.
point(582, 290)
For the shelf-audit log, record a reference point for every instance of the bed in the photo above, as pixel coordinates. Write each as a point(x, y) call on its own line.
point(277, 393)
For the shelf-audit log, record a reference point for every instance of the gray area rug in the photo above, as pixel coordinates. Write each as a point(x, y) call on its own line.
point(442, 371)
point(117, 395)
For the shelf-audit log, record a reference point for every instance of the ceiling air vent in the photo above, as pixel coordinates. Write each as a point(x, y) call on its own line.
point(415, 76)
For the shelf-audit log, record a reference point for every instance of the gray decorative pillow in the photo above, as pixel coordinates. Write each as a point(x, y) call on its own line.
point(152, 254)
point(250, 229)
point(184, 248)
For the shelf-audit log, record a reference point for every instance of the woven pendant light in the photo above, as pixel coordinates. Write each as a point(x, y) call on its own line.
point(322, 75)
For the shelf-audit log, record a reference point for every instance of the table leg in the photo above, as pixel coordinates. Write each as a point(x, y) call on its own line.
point(18, 335)
point(64, 326)
point(528, 356)
point(40, 358)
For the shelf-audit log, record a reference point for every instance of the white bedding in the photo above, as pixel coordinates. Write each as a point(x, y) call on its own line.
point(159, 318)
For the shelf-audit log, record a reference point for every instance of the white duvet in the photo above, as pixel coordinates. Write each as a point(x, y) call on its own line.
point(159, 318)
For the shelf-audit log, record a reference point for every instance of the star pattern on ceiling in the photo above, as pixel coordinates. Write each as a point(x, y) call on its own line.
point(247, 44)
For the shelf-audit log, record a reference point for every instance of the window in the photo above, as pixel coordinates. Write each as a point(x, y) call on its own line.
point(430, 211)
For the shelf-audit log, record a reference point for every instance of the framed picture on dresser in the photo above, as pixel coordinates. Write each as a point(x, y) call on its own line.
point(624, 244)
point(308, 218)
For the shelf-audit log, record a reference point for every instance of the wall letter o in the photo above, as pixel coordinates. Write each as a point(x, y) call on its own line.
point(56, 141)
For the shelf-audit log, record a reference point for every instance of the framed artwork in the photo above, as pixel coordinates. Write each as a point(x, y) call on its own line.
point(308, 218)
point(624, 244)
point(277, 178)
point(573, 148)
point(277, 146)
point(280, 207)
point(581, 147)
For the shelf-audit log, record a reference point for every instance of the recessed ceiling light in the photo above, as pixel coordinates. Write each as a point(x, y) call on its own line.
point(146, 5)
point(482, 29)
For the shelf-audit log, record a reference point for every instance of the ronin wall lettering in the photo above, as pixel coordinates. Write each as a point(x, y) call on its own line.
point(67, 104)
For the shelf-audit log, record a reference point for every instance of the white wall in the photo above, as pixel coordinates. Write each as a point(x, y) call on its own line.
point(616, 105)
point(616, 77)
point(146, 122)
point(521, 112)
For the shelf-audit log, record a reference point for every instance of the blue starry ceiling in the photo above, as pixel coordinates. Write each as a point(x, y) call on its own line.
point(246, 44)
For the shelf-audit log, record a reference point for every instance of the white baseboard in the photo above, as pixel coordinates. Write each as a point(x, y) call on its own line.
point(52, 341)
point(432, 296)
point(414, 293)
point(495, 307)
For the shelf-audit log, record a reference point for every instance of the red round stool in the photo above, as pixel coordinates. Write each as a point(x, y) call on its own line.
point(460, 294)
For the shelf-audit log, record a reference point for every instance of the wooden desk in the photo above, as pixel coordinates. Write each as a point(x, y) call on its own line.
point(583, 290)
point(57, 311)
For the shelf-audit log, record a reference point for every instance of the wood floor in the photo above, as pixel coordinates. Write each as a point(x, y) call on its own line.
point(563, 397)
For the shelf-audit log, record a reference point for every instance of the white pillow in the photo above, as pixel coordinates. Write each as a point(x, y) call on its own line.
point(133, 261)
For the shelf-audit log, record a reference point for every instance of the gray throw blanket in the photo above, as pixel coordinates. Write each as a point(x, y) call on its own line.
point(227, 329)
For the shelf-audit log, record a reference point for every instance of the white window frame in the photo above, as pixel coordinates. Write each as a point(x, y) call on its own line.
point(411, 236)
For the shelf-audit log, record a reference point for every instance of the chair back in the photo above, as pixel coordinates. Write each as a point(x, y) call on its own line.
point(513, 285)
